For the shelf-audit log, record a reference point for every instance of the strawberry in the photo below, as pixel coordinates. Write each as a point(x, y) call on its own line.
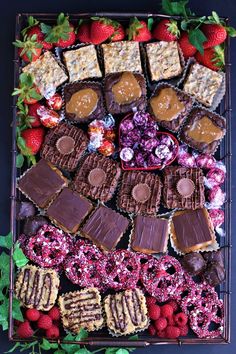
point(29, 49)
point(53, 332)
point(83, 32)
point(62, 34)
point(24, 330)
point(138, 31)
point(34, 119)
point(187, 48)
point(55, 102)
point(33, 140)
point(119, 34)
point(54, 313)
point(166, 30)
point(44, 322)
point(102, 28)
point(27, 91)
point(212, 58)
point(215, 34)
point(36, 30)
point(32, 314)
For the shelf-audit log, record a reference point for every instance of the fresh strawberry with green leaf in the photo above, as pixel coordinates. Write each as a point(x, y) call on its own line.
point(29, 49)
point(138, 31)
point(62, 34)
point(27, 116)
point(102, 28)
point(212, 58)
point(119, 34)
point(83, 32)
point(36, 30)
point(187, 48)
point(33, 140)
point(33, 117)
point(166, 30)
point(27, 92)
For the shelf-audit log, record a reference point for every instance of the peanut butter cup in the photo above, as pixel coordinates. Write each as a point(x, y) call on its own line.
point(141, 192)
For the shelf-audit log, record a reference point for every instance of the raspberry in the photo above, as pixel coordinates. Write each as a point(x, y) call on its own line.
point(181, 319)
point(166, 310)
point(24, 330)
point(154, 312)
point(53, 332)
point(152, 330)
point(184, 330)
point(32, 315)
point(44, 322)
point(161, 323)
point(171, 321)
point(17, 323)
point(54, 313)
point(161, 334)
point(174, 304)
point(172, 332)
point(150, 300)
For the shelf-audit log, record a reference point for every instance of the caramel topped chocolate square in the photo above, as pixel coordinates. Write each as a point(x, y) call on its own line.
point(105, 227)
point(97, 177)
point(183, 188)
point(64, 145)
point(41, 183)
point(68, 210)
point(139, 193)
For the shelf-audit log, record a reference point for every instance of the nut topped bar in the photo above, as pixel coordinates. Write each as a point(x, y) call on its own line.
point(81, 309)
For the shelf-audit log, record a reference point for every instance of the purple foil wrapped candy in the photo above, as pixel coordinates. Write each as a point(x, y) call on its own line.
point(162, 151)
point(151, 132)
point(126, 141)
point(140, 118)
point(126, 126)
point(134, 135)
point(149, 144)
point(166, 140)
point(154, 161)
point(126, 154)
point(140, 160)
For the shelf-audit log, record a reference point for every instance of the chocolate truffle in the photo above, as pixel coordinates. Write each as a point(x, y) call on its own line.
point(33, 224)
point(24, 210)
point(194, 263)
point(214, 274)
point(214, 257)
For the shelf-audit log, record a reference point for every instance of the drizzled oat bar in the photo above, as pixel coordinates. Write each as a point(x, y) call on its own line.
point(82, 63)
point(121, 56)
point(163, 60)
point(81, 309)
point(47, 74)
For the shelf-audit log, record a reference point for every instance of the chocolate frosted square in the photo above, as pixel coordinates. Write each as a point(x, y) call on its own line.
point(183, 188)
point(64, 145)
point(97, 177)
point(139, 193)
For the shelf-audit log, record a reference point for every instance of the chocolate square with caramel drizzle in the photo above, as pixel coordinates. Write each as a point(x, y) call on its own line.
point(36, 287)
point(126, 312)
point(81, 309)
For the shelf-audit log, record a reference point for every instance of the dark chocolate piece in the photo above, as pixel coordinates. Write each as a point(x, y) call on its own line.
point(150, 235)
point(24, 210)
point(115, 107)
point(105, 227)
point(183, 187)
point(97, 177)
point(214, 274)
point(33, 224)
point(214, 256)
point(126, 199)
point(68, 210)
point(58, 144)
point(41, 183)
point(194, 263)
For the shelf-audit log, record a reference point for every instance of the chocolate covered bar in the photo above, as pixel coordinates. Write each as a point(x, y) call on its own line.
point(41, 183)
point(36, 287)
point(97, 177)
point(68, 210)
point(126, 312)
point(64, 145)
point(105, 227)
point(150, 234)
point(81, 309)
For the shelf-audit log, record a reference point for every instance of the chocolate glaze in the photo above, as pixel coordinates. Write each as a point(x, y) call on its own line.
point(214, 256)
point(214, 274)
point(194, 263)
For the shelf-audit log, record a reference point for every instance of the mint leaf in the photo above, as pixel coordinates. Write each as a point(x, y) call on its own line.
point(4, 308)
point(60, 351)
point(122, 351)
point(134, 337)
point(6, 241)
point(83, 334)
point(175, 7)
point(150, 23)
point(83, 351)
point(46, 345)
point(19, 257)
point(70, 348)
point(19, 160)
point(16, 311)
point(18, 344)
point(197, 38)
point(111, 350)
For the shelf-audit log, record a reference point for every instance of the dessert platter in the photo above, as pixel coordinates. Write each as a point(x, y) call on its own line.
point(121, 181)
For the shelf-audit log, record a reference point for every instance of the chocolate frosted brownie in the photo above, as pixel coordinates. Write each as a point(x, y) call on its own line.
point(125, 91)
point(203, 83)
point(105, 227)
point(170, 106)
point(203, 130)
point(68, 210)
point(83, 101)
point(82, 63)
point(37, 288)
point(126, 312)
point(64, 145)
point(183, 188)
point(41, 183)
point(139, 193)
point(97, 177)
point(163, 60)
point(150, 234)
point(81, 309)
point(46, 73)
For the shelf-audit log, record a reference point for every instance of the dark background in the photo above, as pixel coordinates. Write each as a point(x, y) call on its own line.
point(8, 10)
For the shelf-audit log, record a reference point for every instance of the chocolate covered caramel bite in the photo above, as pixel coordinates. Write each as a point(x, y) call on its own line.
point(203, 130)
point(124, 91)
point(83, 101)
point(64, 145)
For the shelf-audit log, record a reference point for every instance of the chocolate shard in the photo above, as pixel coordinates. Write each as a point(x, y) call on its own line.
point(24, 210)
point(194, 263)
point(214, 274)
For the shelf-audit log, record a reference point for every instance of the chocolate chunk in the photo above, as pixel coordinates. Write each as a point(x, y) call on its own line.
point(214, 256)
point(215, 274)
point(24, 210)
point(33, 224)
point(65, 145)
point(194, 263)
point(185, 187)
point(96, 177)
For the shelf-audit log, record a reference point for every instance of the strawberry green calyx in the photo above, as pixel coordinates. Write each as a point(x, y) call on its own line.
point(134, 27)
point(60, 31)
point(106, 21)
point(26, 90)
point(31, 23)
point(29, 46)
point(172, 27)
point(215, 19)
point(219, 57)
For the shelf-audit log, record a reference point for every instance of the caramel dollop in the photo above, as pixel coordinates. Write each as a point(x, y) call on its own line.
point(204, 131)
point(82, 103)
point(127, 89)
